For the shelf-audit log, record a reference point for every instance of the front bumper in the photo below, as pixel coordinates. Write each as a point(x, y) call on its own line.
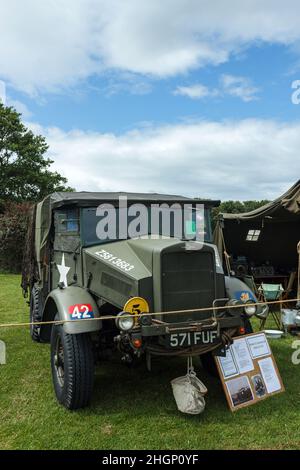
point(196, 337)
point(192, 337)
point(159, 328)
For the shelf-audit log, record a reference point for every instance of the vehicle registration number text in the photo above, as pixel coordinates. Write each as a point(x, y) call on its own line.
point(193, 338)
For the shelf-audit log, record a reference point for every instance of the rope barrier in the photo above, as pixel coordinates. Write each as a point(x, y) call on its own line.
point(171, 312)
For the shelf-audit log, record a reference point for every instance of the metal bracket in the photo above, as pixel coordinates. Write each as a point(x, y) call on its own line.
point(215, 304)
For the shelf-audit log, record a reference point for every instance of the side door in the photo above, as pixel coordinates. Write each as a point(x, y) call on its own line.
point(66, 259)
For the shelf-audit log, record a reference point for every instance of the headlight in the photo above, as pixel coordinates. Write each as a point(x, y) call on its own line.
point(262, 311)
point(250, 310)
point(234, 307)
point(125, 321)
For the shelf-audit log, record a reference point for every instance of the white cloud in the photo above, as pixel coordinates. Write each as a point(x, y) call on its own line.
point(240, 87)
point(127, 82)
point(195, 92)
point(250, 159)
point(20, 107)
point(2, 92)
point(52, 45)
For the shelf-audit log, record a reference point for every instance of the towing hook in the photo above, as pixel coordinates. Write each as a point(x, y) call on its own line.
point(127, 359)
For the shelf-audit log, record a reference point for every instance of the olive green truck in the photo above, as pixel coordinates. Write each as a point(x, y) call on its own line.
point(94, 293)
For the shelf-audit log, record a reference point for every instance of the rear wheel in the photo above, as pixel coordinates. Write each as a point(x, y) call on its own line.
point(72, 365)
point(34, 315)
point(207, 359)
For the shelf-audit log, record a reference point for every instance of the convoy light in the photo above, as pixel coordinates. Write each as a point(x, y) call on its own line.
point(125, 321)
point(251, 309)
point(137, 343)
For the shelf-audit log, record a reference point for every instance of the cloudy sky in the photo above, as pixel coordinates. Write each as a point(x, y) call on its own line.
point(189, 97)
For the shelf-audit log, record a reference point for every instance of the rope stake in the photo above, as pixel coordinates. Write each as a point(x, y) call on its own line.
point(172, 312)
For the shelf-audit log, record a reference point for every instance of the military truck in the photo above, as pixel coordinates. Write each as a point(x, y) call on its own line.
point(92, 295)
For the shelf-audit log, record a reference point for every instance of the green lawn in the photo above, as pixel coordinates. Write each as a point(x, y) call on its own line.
point(131, 408)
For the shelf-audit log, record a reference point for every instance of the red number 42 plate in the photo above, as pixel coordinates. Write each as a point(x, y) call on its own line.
point(81, 311)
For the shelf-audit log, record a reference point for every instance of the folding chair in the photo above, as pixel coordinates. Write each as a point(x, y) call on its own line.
point(269, 293)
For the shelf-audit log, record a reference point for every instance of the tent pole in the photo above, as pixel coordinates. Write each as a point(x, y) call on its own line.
point(226, 255)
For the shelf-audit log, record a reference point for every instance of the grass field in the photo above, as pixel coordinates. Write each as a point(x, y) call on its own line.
point(131, 408)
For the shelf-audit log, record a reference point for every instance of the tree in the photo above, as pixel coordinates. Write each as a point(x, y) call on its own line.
point(236, 207)
point(24, 169)
point(13, 228)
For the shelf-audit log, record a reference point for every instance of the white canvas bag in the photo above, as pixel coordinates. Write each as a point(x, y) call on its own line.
point(189, 391)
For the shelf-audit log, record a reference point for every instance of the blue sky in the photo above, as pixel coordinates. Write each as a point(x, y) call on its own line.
point(180, 97)
point(111, 103)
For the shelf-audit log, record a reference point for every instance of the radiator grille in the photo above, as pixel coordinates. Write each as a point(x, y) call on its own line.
point(188, 282)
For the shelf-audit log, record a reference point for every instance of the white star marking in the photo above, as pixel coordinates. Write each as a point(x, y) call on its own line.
point(63, 271)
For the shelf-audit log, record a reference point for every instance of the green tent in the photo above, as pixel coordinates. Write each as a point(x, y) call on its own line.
point(265, 236)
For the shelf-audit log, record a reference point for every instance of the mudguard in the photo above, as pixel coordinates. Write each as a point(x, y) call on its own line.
point(71, 303)
point(237, 289)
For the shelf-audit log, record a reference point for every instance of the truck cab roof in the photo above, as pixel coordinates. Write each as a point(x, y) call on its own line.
point(86, 199)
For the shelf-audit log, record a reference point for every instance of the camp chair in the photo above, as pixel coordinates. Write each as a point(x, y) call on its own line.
point(288, 290)
point(269, 293)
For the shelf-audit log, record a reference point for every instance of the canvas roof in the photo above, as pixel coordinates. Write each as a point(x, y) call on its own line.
point(86, 198)
point(279, 225)
point(284, 207)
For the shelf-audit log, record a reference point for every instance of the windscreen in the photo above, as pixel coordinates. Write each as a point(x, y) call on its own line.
point(115, 223)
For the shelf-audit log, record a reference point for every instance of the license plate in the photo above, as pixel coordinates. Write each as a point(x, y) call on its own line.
point(192, 338)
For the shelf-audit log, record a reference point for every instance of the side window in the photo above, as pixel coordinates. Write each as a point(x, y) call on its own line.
point(253, 235)
point(67, 221)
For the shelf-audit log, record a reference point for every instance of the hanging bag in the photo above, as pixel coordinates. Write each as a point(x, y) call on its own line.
point(189, 391)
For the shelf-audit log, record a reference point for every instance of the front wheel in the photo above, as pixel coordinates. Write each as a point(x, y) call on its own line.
point(72, 365)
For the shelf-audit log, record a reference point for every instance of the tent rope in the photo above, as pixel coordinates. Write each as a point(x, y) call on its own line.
point(226, 255)
point(172, 312)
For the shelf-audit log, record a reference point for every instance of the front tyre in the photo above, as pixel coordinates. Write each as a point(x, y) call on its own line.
point(72, 365)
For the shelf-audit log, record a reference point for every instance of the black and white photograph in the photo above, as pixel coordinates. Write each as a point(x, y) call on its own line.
point(258, 386)
point(240, 390)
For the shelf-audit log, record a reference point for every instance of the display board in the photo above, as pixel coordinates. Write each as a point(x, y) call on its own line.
point(249, 372)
